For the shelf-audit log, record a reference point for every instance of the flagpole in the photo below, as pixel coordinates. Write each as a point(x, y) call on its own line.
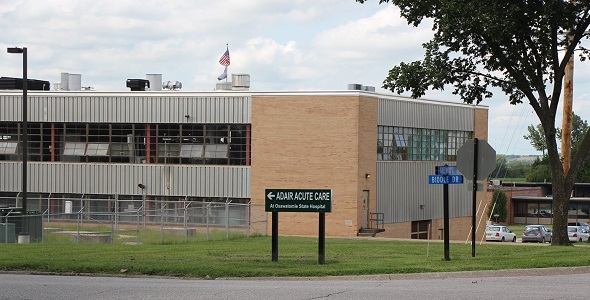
point(226, 49)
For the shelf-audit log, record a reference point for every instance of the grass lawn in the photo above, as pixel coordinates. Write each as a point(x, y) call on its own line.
point(298, 256)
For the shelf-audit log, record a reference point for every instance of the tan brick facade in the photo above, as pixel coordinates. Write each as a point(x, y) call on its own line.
point(315, 142)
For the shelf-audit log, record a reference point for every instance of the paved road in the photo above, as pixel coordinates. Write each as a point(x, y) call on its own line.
point(554, 283)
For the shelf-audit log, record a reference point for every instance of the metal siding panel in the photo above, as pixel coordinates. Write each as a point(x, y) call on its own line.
point(129, 109)
point(399, 196)
point(407, 113)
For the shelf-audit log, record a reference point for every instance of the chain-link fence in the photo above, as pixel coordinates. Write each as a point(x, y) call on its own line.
point(130, 221)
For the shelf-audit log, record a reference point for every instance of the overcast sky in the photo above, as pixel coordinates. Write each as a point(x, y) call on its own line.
point(283, 45)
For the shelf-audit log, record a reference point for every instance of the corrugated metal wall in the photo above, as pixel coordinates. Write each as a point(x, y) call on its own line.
point(130, 108)
point(183, 180)
point(422, 114)
point(403, 186)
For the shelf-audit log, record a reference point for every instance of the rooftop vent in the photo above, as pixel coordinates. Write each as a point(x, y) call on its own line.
point(355, 87)
point(138, 84)
point(9, 83)
point(360, 87)
point(172, 85)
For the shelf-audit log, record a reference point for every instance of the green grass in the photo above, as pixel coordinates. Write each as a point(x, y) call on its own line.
point(298, 256)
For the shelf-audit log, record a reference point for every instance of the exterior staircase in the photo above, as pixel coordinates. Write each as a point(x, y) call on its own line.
point(369, 231)
point(375, 225)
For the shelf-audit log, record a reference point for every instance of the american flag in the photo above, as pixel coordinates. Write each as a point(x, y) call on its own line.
point(224, 60)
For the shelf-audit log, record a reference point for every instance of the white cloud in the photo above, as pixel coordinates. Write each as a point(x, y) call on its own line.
point(283, 45)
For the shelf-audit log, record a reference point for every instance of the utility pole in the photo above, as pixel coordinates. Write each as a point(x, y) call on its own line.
point(566, 132)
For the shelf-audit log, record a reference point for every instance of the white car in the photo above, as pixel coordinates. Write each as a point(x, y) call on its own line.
point(499, 233)
point(578, 234)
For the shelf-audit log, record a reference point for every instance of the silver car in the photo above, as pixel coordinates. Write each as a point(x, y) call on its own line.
point(536, 233)
point(578, 234)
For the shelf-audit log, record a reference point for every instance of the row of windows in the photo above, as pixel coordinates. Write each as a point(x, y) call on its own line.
point(403, 143)
point(129, 143)
point(576, 211)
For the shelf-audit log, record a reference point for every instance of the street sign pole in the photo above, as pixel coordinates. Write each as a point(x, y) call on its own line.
point(446, 175)
point(275, 236)
point(446, 220)
point(322, 239)
point(474, 195)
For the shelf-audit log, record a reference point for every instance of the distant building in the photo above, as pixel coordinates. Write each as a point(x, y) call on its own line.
point(532, 202)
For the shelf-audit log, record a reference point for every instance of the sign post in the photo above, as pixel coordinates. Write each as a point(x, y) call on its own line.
point(476, 159)
point(446, 175)
point(298, 200)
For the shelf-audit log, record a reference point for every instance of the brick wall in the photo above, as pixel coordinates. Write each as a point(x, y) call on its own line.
point(315, 142)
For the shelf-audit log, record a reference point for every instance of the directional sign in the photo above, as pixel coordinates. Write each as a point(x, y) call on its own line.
point(297, 200)
point(446, 170)
point(486, 159)
point(445, 179)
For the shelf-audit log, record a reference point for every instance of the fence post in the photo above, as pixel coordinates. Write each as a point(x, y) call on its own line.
point(139, 212)
point(112, 219)
point(78, 226)
point(227, 220)
point(248, 220)
point(162, 222)
point(207, 219)
point(116, 211)
point(184, 222)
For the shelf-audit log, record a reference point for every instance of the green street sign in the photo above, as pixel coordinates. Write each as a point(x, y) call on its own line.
point(298, 200)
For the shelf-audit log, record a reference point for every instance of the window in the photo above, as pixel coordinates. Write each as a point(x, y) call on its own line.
point(75, 149)
point(212, 144)
point(403, 143)
point(191, 150)
point(8, 147)
point(97, 149)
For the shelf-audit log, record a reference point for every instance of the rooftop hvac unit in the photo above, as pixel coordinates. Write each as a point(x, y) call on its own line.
point(75, 82)
point(355, 87)
point(172, 85)
point(240, 82)
point(155, 81)
point(223, 86)
point(369, 88)
point(65, 82)
point(9, 83)
point(138, 84)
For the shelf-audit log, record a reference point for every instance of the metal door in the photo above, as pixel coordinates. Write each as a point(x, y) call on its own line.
point(365, 209)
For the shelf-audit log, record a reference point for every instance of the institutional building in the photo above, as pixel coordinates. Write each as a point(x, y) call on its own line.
point(146, 148)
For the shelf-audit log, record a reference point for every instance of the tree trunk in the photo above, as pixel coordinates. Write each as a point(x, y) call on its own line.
point(560, 213)
point(561, 193)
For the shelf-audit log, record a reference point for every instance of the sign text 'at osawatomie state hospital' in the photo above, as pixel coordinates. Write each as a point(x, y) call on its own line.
point(296, 200)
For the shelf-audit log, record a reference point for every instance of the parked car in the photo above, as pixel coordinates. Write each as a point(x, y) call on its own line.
point(584, 225)
point(499, 233)
point(536, 233)
point(578, 234)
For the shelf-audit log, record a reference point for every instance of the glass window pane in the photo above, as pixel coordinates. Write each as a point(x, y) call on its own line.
point(216, 151)
point(77, 149)
point(8, 147)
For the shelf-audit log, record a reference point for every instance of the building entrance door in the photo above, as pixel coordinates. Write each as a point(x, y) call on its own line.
point(365, 209)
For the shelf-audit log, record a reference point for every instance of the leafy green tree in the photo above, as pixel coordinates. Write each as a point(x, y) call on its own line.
point(536, 137)
point(498, 206)
point(517, 47)
point(541, 170)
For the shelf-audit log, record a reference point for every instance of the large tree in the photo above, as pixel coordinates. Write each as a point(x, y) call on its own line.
point(541, 169)
point(536, 137)
point(515, 46)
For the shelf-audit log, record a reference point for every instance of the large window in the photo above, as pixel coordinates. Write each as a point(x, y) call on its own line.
point(217, 144)
point(403, 143)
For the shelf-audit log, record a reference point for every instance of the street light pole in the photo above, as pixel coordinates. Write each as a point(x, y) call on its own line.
point(24, 128)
